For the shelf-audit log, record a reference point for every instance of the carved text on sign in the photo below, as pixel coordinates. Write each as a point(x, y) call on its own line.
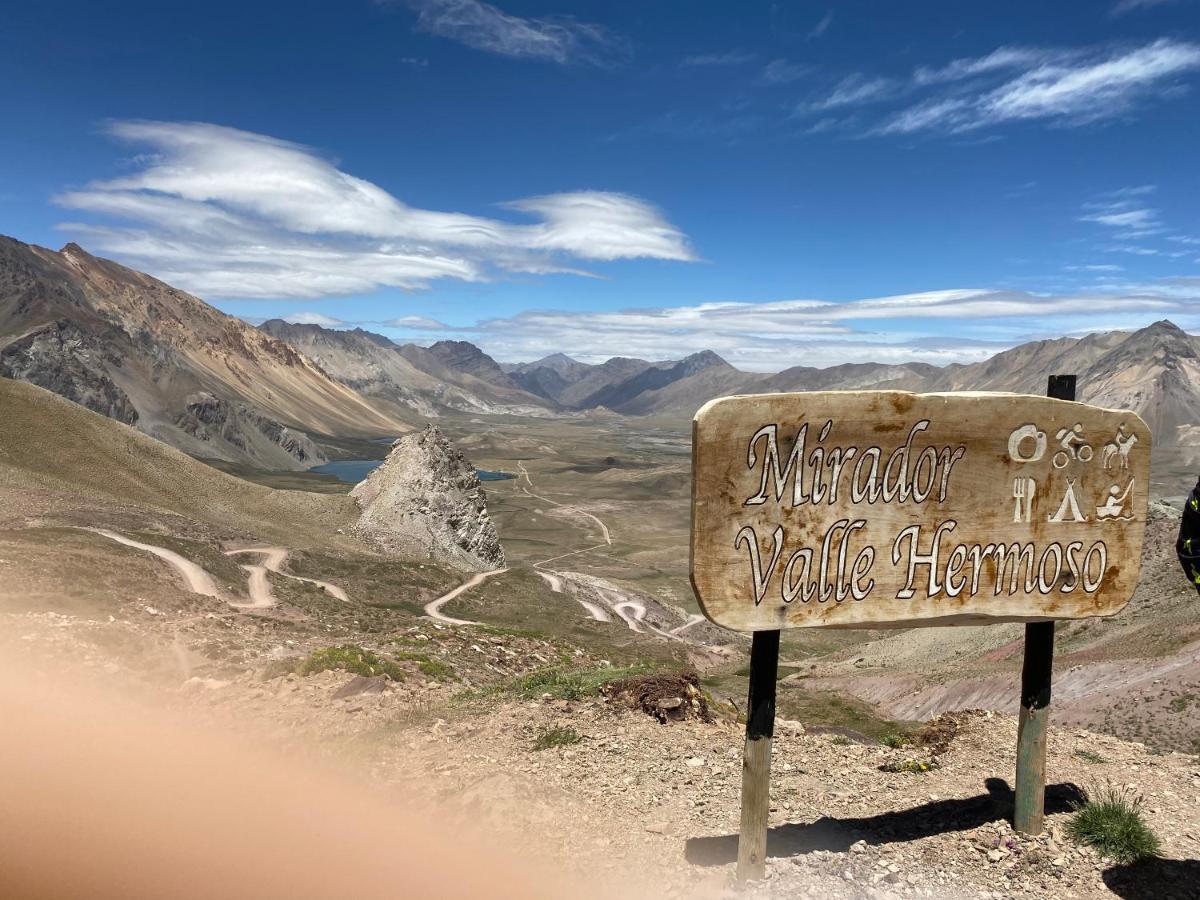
point(891, 508)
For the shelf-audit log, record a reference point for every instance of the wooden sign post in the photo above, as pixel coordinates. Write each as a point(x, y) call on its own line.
point(884, 509)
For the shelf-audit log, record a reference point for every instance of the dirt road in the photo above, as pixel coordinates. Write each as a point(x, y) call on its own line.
point(273, 560)
point(564, 508)
point(433, 609)
point(198, 580)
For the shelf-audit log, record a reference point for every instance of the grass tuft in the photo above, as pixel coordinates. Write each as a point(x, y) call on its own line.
point(1090, 756)
point(558, 736)
point(910, 766)
point(431, 668)
point(895, 740)
point(351, 659)
point(1111, 821)
point(572, 684)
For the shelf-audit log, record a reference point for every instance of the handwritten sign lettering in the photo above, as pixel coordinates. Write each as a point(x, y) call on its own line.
point(883, 508)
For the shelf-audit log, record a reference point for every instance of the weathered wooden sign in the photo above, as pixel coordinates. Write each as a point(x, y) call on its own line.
point(891, 509)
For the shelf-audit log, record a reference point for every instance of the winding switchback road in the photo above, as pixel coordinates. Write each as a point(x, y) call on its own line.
point(261, 595)
point(198, 580)
point(433, 609)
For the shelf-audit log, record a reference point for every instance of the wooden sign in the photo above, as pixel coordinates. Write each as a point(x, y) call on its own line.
point(891, 509)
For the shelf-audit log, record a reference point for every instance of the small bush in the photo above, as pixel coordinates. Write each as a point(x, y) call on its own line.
point(558, 736)
point(895, 740)
point(351, 659)
point(571, 684)
point(1182, 702)
point(431, 668)
point(840, 740)
point(909, 766)
point(1090, 756)
point(1111, 821)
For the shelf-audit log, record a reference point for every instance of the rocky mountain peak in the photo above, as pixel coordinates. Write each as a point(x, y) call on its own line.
point(1163, 342)
point(426, 501)
point(463, 356)
point(698, 362)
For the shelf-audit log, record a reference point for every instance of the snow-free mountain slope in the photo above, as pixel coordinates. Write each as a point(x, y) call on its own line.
point(134, 348)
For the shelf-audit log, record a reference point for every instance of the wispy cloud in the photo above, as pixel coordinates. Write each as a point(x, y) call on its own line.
point(999, 60)
point(854, 90)
point(417, 323)
point(935, 326)
point(822, 26)
point(781, 71)
point(1122, 7)
point(483, 26)
point(1063, 87)
point(229, 213)
point(1137, 219)
point(312, 318)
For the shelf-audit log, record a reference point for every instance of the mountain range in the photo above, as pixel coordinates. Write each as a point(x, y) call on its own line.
point(135, 349)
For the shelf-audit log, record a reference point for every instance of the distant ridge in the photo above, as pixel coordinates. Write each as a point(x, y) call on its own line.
point(1154, 371)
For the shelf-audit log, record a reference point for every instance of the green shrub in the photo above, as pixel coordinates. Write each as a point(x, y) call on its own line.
point(895, 740)
point(558, 736)
point(1090, 756)
point(431, 668)
point(909, 766)
point(1111, 821)
point(572, 684)
point(351, 659)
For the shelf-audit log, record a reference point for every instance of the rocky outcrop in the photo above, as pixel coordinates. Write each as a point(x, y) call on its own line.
point(61, 358)
point(426, 501)
point(208, 418)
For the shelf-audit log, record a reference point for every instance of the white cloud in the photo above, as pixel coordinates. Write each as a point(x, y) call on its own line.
point(935, 326)
point(1125, 218)
point(485, 27)
point(416, 323)
point(1066, 87)
point(312, 318)
point(822, 26)
point(1000, 59)
point(228, 213)
point(1126, 6)
point(780, 71)
point(854, 90)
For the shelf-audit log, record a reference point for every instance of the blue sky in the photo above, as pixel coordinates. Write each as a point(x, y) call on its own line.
point(786, 183)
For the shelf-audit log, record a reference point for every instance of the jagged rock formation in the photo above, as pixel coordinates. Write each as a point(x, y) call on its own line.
point(211, 419)
point(130, 347)
point(61, 358)
point(426, 501)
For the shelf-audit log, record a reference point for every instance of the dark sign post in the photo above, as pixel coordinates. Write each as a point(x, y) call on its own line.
point(886, 509)
point(1036, 671)
point(756, 763)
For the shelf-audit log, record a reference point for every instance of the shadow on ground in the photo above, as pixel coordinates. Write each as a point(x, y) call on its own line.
point(928, 819)
point(1155, 879)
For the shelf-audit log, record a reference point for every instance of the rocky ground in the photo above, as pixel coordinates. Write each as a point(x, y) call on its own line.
point(652, 806)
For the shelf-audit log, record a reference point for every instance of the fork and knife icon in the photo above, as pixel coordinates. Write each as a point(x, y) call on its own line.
point(1023, 492)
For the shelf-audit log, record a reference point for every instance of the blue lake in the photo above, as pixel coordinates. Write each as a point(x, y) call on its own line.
point(352, 471)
